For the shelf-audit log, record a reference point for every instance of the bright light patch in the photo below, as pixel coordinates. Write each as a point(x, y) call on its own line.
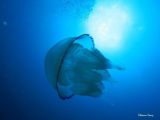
point(108, 25)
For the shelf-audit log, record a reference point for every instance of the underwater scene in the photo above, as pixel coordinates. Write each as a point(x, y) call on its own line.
point(80, 60)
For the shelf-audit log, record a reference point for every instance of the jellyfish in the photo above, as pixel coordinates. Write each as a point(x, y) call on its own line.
point(75, 67)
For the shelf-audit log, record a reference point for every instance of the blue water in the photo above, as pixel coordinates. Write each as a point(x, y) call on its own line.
point(28, 28)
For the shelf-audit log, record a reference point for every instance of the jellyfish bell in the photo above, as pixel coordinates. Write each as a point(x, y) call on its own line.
point(75, 67)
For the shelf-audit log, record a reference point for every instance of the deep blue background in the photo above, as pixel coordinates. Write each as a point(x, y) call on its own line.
point(33, 26)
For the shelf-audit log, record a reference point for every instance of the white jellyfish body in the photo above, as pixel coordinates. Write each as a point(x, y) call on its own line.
point(75, 67)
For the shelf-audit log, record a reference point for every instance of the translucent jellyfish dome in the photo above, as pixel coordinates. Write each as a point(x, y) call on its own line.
point(75, 67)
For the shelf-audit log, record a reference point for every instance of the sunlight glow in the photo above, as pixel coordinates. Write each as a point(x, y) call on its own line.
point(108, 26)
